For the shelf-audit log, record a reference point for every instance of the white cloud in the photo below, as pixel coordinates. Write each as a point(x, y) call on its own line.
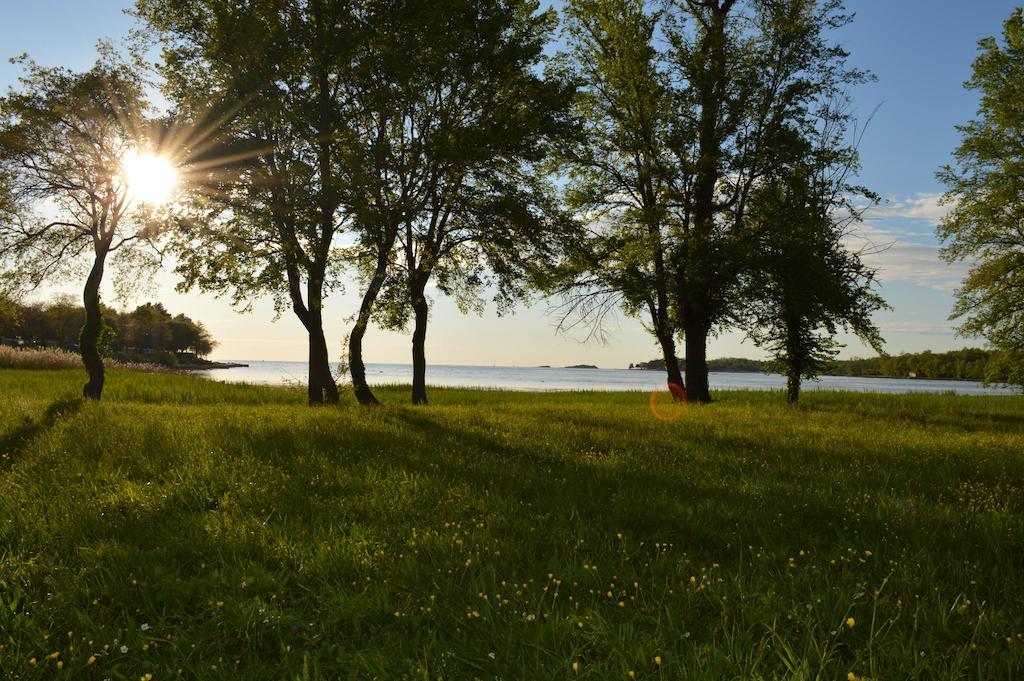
point(907, 256)
point(922, 328)
point(917, 264)
point(921, 206)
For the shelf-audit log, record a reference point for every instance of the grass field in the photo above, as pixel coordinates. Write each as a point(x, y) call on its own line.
point(187, 529)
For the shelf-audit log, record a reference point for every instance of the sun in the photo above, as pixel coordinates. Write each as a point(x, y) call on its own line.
point(151, 178)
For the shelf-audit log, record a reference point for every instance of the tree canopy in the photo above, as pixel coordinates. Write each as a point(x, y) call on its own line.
point(486, 216)
point(691, 111)
point(615, 168)
point(985, 226)
point(264, 93)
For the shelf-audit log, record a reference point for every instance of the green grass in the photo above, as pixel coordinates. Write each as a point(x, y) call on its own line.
point(188, 529)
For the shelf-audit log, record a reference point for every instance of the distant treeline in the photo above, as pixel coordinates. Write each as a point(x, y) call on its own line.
point(969, 364)
point(147, 333)
point(727, 364)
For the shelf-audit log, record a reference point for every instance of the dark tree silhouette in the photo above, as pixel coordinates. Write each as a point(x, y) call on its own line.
point(265, 90)
point(615, 168)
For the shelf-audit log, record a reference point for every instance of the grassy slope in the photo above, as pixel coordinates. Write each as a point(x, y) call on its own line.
point(230, 532)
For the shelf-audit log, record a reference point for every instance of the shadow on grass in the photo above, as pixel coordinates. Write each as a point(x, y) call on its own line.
point(963, 413)
point(810, 506)
point(16, 441)
point(299, 550)
point(807, 487)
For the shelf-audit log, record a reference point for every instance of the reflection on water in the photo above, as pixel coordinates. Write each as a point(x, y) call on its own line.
point(530, 378)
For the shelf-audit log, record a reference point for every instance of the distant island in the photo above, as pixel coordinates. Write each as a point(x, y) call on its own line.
point(199, 364)
point(969, 364)
point(582, 366)
point(726, 364)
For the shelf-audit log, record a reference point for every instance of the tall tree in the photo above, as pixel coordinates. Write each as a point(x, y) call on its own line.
point(389, 185)
point(64, 139)
point(447, 188)
point(744, 72)
point(264, 87)
point(614, 168)
point(487, 216)
point(805, 283)
point(986, 191)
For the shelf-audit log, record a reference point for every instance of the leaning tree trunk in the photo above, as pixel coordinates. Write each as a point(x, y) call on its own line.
point(419, 337)
point(356, 367)
point(89, 339)
point(662, 326)
point(674, 373)
point(668, 351)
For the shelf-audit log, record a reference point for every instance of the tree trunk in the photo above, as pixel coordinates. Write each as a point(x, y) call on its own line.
point(88, 340)
point(701, 277)
point(322, 387)
point(419, 337)
point(356, 367)
point(321, 381)
point(794, 357)
point(663, 331)
point(696, 336)
point(674, 374)
point(793, 387)
point(660, 306)
point(314, 385)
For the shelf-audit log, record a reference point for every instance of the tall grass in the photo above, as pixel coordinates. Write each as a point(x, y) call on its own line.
point(56, 358)
point(189, 529)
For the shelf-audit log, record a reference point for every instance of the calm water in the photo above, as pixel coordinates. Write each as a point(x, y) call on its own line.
point(530, 378)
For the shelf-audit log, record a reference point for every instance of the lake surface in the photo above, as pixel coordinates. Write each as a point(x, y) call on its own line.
point(533, 378)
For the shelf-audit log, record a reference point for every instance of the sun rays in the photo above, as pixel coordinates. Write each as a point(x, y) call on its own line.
point(152, 179)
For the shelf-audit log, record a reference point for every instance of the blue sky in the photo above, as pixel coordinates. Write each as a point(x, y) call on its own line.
point(921, 52)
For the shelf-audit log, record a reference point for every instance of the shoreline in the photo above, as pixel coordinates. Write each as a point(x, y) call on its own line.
point(211, 365)
point(878, 376)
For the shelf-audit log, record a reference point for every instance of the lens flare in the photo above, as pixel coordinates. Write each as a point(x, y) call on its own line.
point(151, 178)
point(674, 408)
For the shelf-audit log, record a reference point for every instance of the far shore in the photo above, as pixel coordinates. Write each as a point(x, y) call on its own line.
point(209, 365)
